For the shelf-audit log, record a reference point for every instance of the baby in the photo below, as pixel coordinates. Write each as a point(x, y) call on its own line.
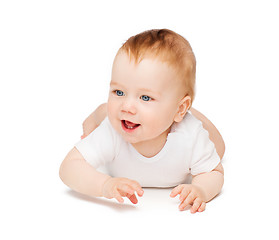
point(149, 137)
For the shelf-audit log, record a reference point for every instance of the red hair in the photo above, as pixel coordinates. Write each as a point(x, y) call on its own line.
point(169, 47)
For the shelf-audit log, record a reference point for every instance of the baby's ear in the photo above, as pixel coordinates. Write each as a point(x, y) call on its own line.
point(184, 105)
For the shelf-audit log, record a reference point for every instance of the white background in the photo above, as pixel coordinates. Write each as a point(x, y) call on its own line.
point(55, 63)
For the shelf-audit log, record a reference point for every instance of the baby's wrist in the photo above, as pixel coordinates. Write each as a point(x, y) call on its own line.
point(103, 188)
point(201, 190)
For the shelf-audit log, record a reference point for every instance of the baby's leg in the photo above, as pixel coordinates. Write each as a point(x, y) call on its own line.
point(94, 120)
point(214, 134)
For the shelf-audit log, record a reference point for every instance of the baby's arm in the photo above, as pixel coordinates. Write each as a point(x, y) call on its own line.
point(211, 182)
point(79, 175)
point(204, 187)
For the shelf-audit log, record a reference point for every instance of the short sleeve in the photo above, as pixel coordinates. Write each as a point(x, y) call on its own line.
point(204, 156)
point(100, 146)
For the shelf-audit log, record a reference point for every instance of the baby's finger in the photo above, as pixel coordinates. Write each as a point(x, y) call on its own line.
point(137, 187)
point(184, 193)
point(197, 203)
point(133, 199)
point(202, 207)
point(125, 189)
point(117, 196)
point(190, 198)
point(176, 191)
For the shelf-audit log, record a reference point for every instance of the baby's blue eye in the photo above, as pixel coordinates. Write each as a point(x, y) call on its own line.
point(119, 93)
point(145, 98)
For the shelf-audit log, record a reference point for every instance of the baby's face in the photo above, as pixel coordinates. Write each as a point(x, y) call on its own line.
point(143, 99)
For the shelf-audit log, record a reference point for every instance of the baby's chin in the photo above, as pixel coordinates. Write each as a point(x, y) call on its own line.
point(134, 140)
point(131, 140)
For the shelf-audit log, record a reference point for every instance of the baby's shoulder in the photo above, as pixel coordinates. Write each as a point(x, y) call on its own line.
point(190, 125)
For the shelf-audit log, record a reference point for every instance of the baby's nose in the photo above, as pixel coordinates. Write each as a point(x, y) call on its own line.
point(129, 106)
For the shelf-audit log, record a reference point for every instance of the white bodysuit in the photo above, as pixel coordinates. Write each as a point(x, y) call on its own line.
point(187, 151)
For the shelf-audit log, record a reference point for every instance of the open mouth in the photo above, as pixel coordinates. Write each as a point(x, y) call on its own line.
point(129, 126)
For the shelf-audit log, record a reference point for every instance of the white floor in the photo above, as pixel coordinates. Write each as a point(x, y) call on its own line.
point(55, 60)
point(37, 205)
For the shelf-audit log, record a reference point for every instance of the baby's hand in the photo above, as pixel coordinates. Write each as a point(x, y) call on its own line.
point(122, 187)
point(190, 194)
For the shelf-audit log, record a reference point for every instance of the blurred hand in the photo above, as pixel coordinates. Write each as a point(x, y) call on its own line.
point(190, 195)
point(122, 187)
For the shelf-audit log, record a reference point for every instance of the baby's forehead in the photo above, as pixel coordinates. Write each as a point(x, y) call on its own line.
point(146, 62)
point(150, 74)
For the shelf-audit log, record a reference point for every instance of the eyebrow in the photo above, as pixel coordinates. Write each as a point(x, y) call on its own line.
point(141, 89)
point(113, 83)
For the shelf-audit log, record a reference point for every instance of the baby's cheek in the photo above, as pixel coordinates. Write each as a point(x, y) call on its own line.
point(111, 110)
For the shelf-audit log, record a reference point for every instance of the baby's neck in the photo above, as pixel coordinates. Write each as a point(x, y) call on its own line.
point(152, 147)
